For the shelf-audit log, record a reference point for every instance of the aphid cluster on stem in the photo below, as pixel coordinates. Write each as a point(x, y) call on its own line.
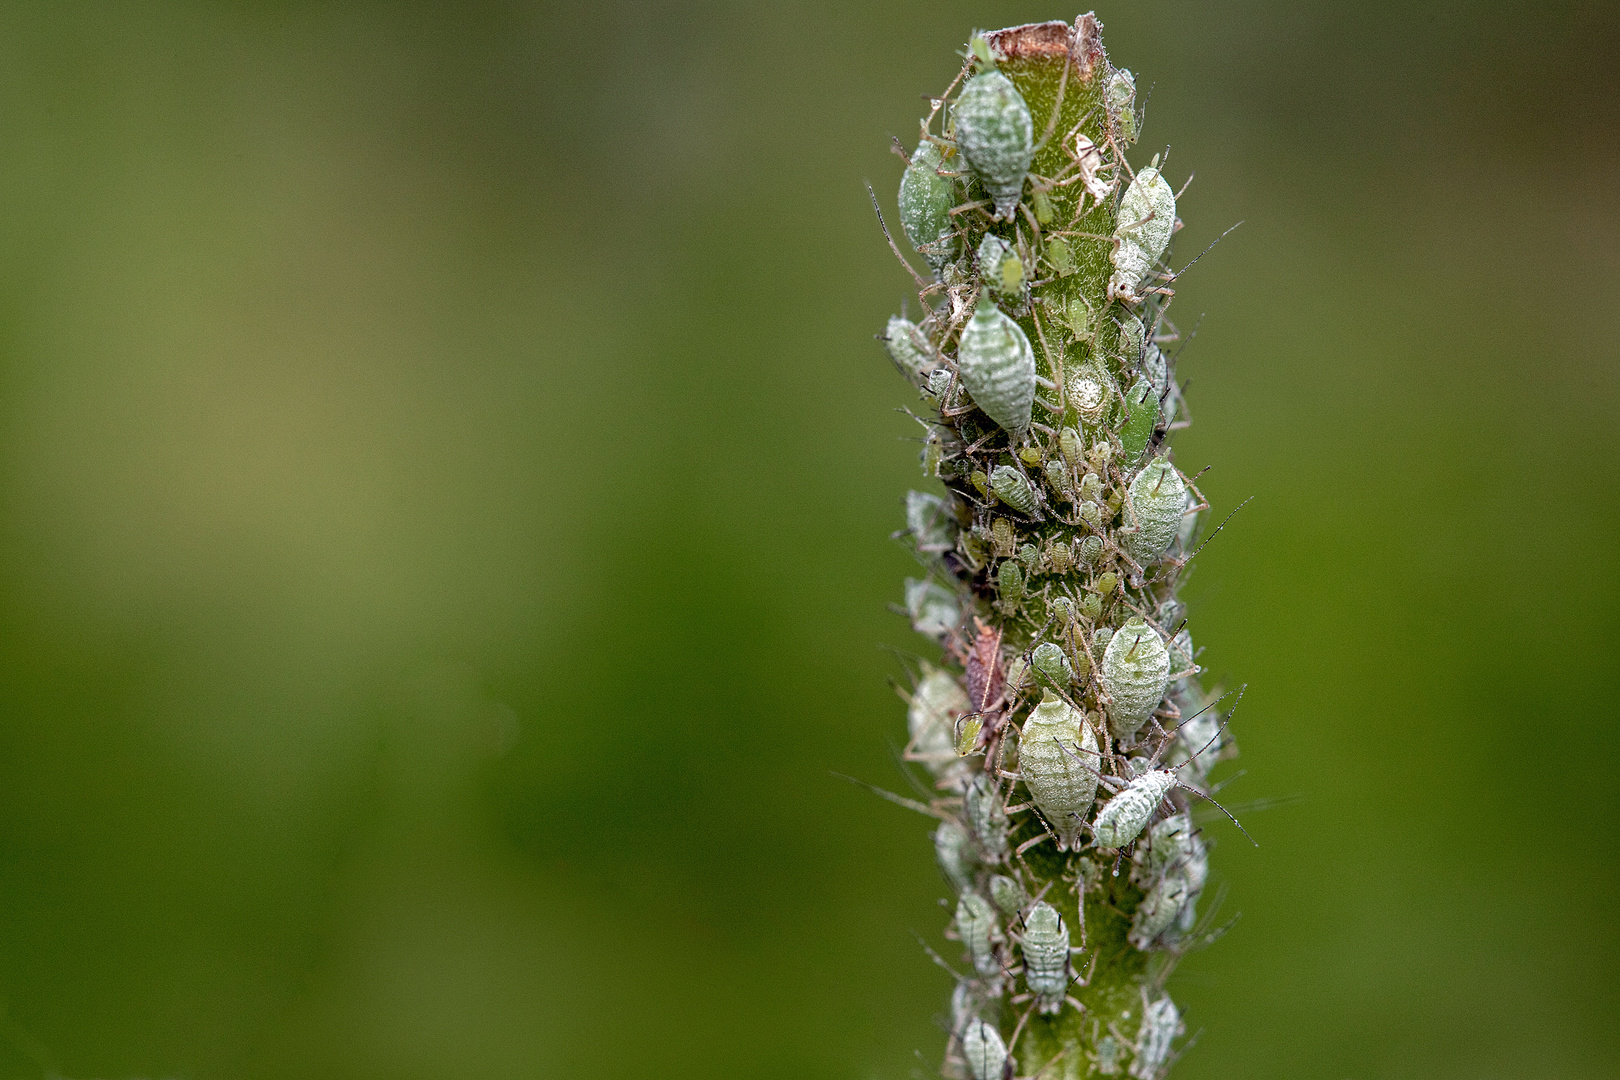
point(1065, 727)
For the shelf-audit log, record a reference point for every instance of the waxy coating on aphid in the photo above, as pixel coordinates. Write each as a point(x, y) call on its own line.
point(997, 136)
point(1058, 761)
point(985, 1051)
point(925, 204)
point(1158, 498)
point(1052, 556)
point(1135, 672)
point(1123, 817)
point(997, 366)
point(1045, 948)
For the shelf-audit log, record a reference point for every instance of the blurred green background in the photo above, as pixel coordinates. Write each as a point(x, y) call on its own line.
point(445, 478)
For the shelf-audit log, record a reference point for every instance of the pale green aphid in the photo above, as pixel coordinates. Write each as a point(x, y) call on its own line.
point(932, 608)
point(1158, 911)
point(1123, 817)
point(1108, 1055)
point(1122, 102)
point(1161, 1023)
point(997, 365)
point(1199, 737)
point(930, 522)
point(1088, 551)
point(996, 134)
point(1158, 498)
point(986, 818)
point(1000, 268)
point(939, 385)
point(1007, 894)
point(903, 341)
point(1011, 488)
point(984, 1050)
point(1050, 661)
point(1056, 476)
point(1091, 514)
point(931, 719)
point(1061, 557)
point(954, 850)
point(976, 923)
point(1091, 392)
point(1147, 215)
point(1030, 556)
point(1135, 672)
point(1010, 580)
point(1171, 867)
point(925, 202)
point(1058, 760)
point(1046, 956)
point(1071, 447)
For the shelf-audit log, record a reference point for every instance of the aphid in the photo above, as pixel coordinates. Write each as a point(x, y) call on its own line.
point(1122, 817)
point(1008, 894)
point(1030, 455)
point(1000, 268)
point(925, 202)
point(1001, 533)
point(1018, 673)
point(1091, 514)
point(1161, 1023)
point(1158, 498)
point(1108, 1055)
point(1010, 580)
point(1147, 216)
point(1088, 155)
point(932, 608)
point(986, 818)
point(1171, 867)
point(1142, 416)
point(1057, 475)
point(1122, 101)
point(1090, 392)
point(1091, 604)
point(1088, 551)
point(1199, 738)
point(997, 136)
point(902, 340)
point(1030, 556)
point(1090, 486)
point(1058, 763)
point(931, 718)
point(930, 522)
point(939, 385)
point(1046, 956)
point(954, 850)
point(1181, 649)
point(986, 1054)
point(1061, 558)
point(997, 365)
point(981, 480)
point(1076, 315)
point(976, 923)
point(1104, 635)
point(1059, 254)
point(1011, 488)
point(1160, 908)
point(1060, 608)
point(1070, 447)
point(964, 1006)
point(1050, 661)
point(1135, 672)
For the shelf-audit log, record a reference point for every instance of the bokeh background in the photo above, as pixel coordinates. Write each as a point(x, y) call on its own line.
point(445, 479)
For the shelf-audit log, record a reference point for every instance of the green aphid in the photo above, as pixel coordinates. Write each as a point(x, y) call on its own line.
point(976, 923)
point(1061, 256)
point(997, 365)
point(1008, 895)
point(1057, 476)
point(1010, 581)
point(1123, 817)
point(1030, 556)
point(986, 817)
point(1141, 419)
point(954, 850)
point(1147, 216)
point(1088, 551)
point(1042, 205)
point(931, 719)
point(1122, 102)
point(1058, 763)
point(1045, 947)
point(1000, 268)
point(1071, 447)
point(1050, 661)
point(1132, 336)
point(932, 608)
point(1061, 556)
point(996, 134)
point(904, 343)
point(1158, 499)
point(930, 523)
point(1161, 1023)
point(1135, 672)
point(1011, 488)
point(926, 199)
point(984, 1050)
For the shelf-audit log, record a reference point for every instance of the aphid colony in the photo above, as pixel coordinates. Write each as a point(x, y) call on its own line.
point(1066, 728)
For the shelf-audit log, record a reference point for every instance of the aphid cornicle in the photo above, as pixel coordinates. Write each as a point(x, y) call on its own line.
point(986, 818)
point(1122, 817)
point(1011, 488)
point(1046, 956)
point(1057, 759)
point(1158, 498)
point(1147, 215)
point(1000, 268)
point(1135, 671)
point(1007, 894)
point(997, 136)
point(1161, 1022)
point(997, 366)
point(902, 341)
point(984, 1050)
point(925, 203)
point(976, 923)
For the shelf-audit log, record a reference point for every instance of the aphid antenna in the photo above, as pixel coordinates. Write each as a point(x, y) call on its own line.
point(922, 283)
point(1201, 254)
point(935, 957)
point(902, 763)
point(1219, 527)
point(1219, 730)
point(898, 800)
point(1269, 802)
point(1222, 809)
point(1224, 784)
point(899, 150)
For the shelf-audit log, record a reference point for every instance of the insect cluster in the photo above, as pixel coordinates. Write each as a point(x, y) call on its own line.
point(1066, 730)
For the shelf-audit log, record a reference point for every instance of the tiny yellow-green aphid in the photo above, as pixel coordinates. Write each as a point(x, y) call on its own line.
point(1122, 102)
point(925, 203)
point(1007, 894)
point(1070, 446)
point(997, 136)
point(1001, 534)
point(1000, 268)
point(1010, 580)
point(1135, 671)
point(1158, 499)
point(1060, 255)
point(997, 365)
point(1058, 761)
